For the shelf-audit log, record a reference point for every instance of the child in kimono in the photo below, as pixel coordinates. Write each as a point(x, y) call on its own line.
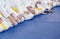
point(55, 3)
point(40, 6)
point(10, 11)
point(27, 14)
point(18, 14)
point(47, 4)
point(6, 14)
point(34, 9)
point(4, 24)
point(58, 2)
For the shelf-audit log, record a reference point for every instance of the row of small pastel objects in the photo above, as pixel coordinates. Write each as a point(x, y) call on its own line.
point(6, 24)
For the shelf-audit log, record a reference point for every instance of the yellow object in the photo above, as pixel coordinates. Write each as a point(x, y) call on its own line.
point(8, 18)
point(0, 15)
point(14, 9)
point(38, 8)
point(3, 26)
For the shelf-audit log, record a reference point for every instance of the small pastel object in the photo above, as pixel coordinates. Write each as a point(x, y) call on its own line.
point(14, 9)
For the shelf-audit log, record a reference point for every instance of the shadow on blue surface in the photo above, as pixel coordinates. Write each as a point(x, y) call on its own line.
point(40, 27)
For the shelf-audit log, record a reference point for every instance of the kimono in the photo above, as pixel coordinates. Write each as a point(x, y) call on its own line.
point(4, 24)
point(25, 4)
point(46, 4)
point(56, 3)
point(15, 6)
